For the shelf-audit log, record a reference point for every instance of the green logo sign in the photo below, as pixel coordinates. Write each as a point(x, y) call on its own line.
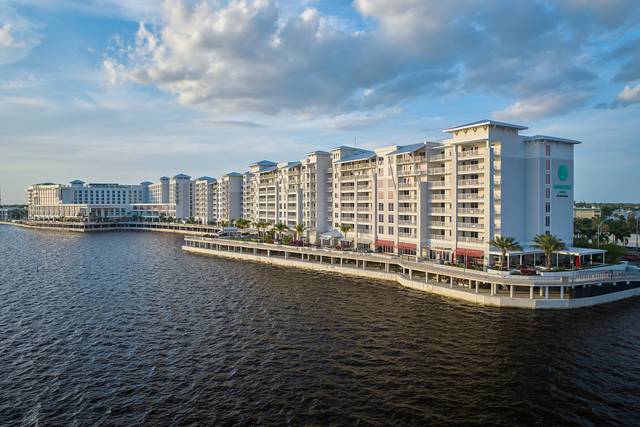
point(563, 172)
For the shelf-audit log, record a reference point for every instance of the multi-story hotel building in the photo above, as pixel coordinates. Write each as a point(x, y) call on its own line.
point(289, 194)
point(441, 200)
point(205, 200)
point(316, 194)
point(51, 201)
point(230, 201)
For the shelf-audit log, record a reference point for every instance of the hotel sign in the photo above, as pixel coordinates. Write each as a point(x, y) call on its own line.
point(563, 175)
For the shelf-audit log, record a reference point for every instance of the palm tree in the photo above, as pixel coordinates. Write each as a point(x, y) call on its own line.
point(345, 228)
point(548, 243)
point(280, 228)
point(299, 229)
point(223, 223)
point(505, 244)
point(260, 225)
point(242, 223)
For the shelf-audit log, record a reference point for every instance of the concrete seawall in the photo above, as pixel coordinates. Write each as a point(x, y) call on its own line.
point(439, 289)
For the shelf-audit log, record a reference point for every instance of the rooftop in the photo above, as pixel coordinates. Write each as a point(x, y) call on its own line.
point(485, 122)
point(408, 148)
point(361, 155)
point(263, 163)
point(550, 139)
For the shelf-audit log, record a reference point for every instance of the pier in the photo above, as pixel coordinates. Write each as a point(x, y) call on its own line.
point(582, 289)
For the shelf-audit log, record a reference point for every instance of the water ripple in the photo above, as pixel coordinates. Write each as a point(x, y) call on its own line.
point(124, 328)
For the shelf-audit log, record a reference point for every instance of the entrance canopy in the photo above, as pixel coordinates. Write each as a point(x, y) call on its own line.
point(580, 251)
point(331, 234)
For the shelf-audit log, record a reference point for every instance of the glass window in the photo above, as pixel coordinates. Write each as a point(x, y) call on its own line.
point(547, 179)
point(547, 221)
point(380, 206)
point(547, 207)
point(548, 164)
point(381, 229)
point(390, 206)
point(547, 193)
point(390, 230)
point(547, 150)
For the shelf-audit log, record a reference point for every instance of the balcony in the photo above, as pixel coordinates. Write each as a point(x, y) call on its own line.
point(470, 183)
point(471, 153)
point(406, 185)
point(409, 235)
point(470, 168)
point(470, 225)
point(439, 224)
point(407, 197)
point(470, 211)
point(407, 209)
point(439, 184)
point(437, 171)
point(440, 197)
point(471, 196)
point(470, 239)
point(433, 211)
point(438, 157)
point(405, 222)
point(406, 172)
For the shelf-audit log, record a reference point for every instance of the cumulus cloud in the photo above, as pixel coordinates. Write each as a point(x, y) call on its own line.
point(244, 55)
point(628, 96)
point(540, 107)
point(17, 36)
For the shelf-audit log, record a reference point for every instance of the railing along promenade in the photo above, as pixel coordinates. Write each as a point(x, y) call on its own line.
point(580, 284)
point(119, 225)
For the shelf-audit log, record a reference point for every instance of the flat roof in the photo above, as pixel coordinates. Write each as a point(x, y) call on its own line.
point(550, 139)
point(485, 122)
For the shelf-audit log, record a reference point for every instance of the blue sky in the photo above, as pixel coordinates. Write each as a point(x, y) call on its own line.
point(126, 91)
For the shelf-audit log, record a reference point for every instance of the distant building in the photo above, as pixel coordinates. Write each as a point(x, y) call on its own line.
point(592, 212)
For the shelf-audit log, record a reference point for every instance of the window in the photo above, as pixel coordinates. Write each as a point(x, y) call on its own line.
point(547, 179)
point(380, 206)
point(381, 229)
point(390, 230)
point(547, 221)
point(547, 164)
point(547, 207)
point(380, 217)
point(547, 193)
point(390, 218)
point(547, 150)
point(391, 206)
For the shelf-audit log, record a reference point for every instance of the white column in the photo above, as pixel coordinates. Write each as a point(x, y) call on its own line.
point(561, 292)
point(511, 291)
point(451, 281)
point(531, 292)
point(410, 274)
point(477, 287)
point(546, 292)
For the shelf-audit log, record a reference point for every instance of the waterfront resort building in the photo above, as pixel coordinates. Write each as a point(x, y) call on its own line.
point(205, 200)
point(230, 197)
point(443, 200)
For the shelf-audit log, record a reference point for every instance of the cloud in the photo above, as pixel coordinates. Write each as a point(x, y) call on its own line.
point(540, 107)
point(244, 55)
point(628, 96)
point(17, 36)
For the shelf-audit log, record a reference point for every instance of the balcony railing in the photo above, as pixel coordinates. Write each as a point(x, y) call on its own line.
point(470, 168)
point(437, 171)
point(471, 153)
point(472, 211)
point(470, 239)
point(439, 184)
point(439, 196)
point(470, 225)
point(470, 182)
point(439, 224)
point(471, 196)
point(439, 210)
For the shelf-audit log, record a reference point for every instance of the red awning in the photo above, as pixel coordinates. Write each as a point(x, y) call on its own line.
point(385, 243)
point(402, 245)
point(475, 253)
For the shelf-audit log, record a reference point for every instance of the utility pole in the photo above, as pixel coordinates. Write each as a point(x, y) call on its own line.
point(637, 247)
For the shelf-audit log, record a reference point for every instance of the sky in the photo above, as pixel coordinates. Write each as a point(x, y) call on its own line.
point(127, 91)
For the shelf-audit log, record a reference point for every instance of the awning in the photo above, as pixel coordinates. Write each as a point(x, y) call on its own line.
point(385, 243)
point(403, 245)
point(331, 234)
point(469, 252)
point(580, 251)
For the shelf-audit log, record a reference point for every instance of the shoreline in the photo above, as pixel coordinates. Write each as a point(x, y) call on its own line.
point(474, 287)
point(186, 229)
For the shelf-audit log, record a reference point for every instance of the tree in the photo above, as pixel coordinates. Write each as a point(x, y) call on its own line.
point(584, 228)
point(619, 229)
point(223, 223)
point(260, 225)
point(299, 229)
point(280, 228)
point(345, 228)
point(505, 244)
point(242, 223)
point(548, 243)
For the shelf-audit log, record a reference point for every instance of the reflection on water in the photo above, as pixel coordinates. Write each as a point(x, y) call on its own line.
point(125, 328)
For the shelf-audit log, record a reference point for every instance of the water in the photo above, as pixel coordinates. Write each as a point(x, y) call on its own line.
point(124, 328)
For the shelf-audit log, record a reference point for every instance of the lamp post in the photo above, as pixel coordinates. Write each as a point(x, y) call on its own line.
point(637, 247)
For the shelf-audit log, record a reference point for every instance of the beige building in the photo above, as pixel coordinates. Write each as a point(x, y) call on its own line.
point(205, 200)
point(592, 212)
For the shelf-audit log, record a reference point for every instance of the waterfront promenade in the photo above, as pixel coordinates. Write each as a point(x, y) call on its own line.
point(83, 227)
point(580, 289)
